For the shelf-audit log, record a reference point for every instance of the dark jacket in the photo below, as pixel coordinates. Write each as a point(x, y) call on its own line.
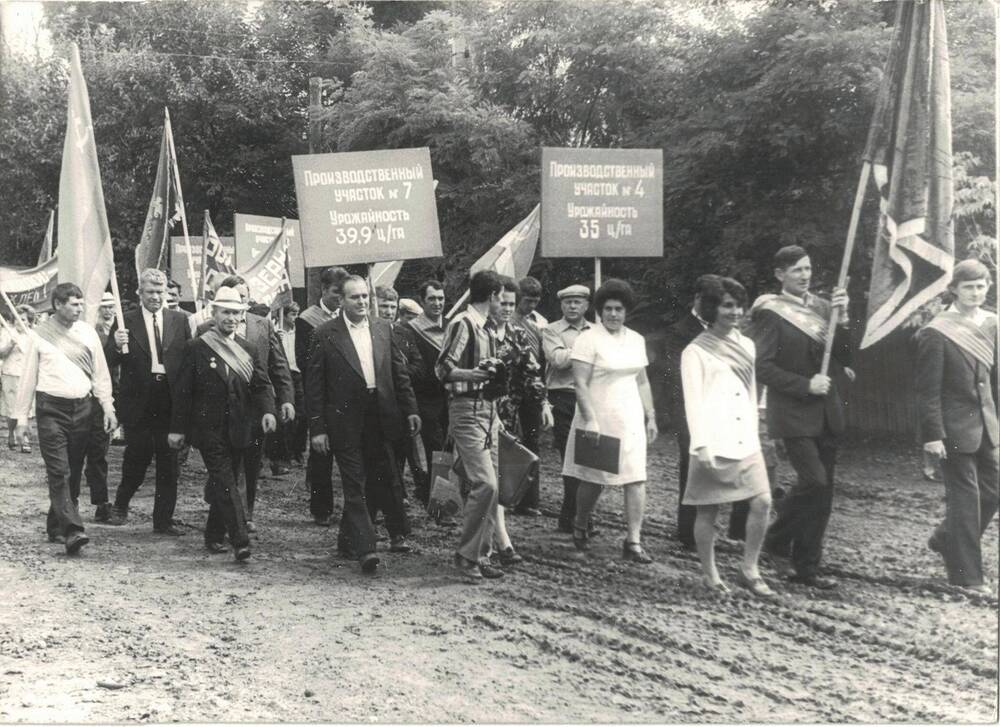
point(420, 356)
point(270, 353)
point(677, 338)
point(955, 391)
point(787, 359)
point(211, 404)
point(336, 393)
point(135, 379)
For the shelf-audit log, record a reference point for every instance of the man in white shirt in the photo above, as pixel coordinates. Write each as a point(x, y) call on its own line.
point(65, 370)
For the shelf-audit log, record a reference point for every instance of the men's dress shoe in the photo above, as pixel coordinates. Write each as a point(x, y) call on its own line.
point(280, 469)
point(565, 527)
point(57, 539)
point(369, 563)
point(215, 547)
point(814, 581)
point(469, 570)
point(934, 544)
point(75, 541)
point(251, 528)
point(346, 551)
point(117, 517)
point(509, 557)
point(169, 530)
point(102, 513)
point(324, 521)
point(242, 553)
point(528, 511)
point(490, 571)
point(399, 544)
point(26, 448)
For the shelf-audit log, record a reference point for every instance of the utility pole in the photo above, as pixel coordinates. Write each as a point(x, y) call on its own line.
point(313, 286)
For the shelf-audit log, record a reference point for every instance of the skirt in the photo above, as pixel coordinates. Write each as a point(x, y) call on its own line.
point(9, 398)
point(733, 480)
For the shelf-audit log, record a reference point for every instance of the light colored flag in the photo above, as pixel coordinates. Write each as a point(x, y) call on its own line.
point(512, 254)
point(85, 254)
point(267, 275)
point(45, 253)
point(909, 148)
point(32, 286)
point(216, 262)
point(386, 273)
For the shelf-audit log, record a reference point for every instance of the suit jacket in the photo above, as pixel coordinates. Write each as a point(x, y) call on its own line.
point(677, 338)
point(212, 408)
point(135, 379)
point(786, 360)
point(420, 357)
point(270, 353)
point(336, 392)
point(955, 391)
point(303, 343)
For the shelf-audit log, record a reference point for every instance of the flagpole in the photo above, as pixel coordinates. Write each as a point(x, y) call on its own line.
point(180, 200)
point(13, 310)
point(371, 292)
point(845, 265)
point(202, 286)
point(597, 273)
point(119, 315)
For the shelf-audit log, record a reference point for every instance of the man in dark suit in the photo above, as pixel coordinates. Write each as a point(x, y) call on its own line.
point(956, 375)
point(804, 407)
point(319, 465)
point(221, 394)
point(155, 338)
point(360, 403)
point(259, 332)
point(677, 338)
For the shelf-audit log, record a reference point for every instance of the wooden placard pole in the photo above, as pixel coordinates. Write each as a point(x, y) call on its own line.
point(13, 310)
point(597, 273)
point(372, 296)
point(845, 265)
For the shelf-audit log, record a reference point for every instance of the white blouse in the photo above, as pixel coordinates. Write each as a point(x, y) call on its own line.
point(721, 413)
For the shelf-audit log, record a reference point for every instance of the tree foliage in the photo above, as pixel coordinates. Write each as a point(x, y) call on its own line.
point(761, 110)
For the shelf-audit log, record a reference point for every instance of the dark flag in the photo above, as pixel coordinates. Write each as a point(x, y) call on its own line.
point(909, 148)
point(165, 209)
point(216, 262)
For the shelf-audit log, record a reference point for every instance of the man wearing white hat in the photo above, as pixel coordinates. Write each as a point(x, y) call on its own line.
point(221, 391)
point(557, 343)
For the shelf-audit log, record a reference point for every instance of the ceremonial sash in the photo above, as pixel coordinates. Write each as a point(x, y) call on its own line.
point(235, 356)
point(730, 352)
point(315, 316)
point(75, 350)
point(806, 319)
point(422, 327)
point(977, 341)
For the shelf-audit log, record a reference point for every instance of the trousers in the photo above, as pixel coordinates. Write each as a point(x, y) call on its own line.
point(970, 488)
point(225, 492)
point(368, 476)
point(63, 432)
point(95, 472)
point(563, 408)
point(804, 512)
point(474, 427)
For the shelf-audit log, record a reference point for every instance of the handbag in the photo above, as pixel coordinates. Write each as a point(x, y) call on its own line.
point(518, 470)
point(445, 499)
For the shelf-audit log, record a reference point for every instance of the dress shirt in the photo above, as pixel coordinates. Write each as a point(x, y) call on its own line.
point(288, 341)
point(362, 337)
point(979, 317)
point(147, 317)
point(48, 370)
point(557, 343)
point(721, 412)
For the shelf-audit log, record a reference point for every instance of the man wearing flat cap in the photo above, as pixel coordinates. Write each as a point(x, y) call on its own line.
point(222, 391)
point(557, 343)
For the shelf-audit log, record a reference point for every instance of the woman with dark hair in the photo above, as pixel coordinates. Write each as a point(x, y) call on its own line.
point(613, 400)
point(720, 400)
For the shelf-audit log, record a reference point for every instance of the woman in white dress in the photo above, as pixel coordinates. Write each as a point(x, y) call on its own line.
point(720, 401)
point(12, 356)
point(613, 399)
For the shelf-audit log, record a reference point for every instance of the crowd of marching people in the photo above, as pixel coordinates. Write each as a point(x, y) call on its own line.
point(374, 386)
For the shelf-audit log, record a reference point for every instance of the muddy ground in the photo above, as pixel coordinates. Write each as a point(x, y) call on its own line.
point(144, 627)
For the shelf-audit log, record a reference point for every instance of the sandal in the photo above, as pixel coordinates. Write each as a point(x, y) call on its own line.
point(633, 552)
point(26, 448)
point(717, 587)
point(757, 586)
point(581, 539)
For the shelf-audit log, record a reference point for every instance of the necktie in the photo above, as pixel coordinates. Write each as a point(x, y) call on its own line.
point(159, 340)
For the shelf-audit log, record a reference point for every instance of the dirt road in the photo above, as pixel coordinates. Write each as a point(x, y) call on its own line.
point(151, 628)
